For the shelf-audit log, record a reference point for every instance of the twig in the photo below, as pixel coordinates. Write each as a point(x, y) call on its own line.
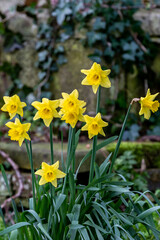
point(129, 7)
point(19, 178)
point(142, 47)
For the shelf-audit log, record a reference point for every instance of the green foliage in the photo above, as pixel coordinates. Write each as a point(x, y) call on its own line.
point(125, 165)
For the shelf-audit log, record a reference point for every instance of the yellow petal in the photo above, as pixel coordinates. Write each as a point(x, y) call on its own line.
point(106, 82)
point(88, 119)
point(21, 141)
point(54, 103)
point(95, 88)
point(36, 116)
point(26, 126)
point(107, 72)
point(10, 124)
point(85, 81)
point(141, 111)
point(23, 104)
point(17, 121)
point(85, 128)
point(45, 166)
point(45, 100)
point(55, 165)
point(12, 115)
point(36, 105)
point(26, 136)
point(65, 95)
point(42, 181)
point(60, 174)
point(20, 111)
point(39, 172)
point(54, 183)
point(90, 135)
point(75, 93)
point(6, 99)
point(47, 121)
point(4, 108)
point(102, 132)
point(147, 114)
point(85, 71)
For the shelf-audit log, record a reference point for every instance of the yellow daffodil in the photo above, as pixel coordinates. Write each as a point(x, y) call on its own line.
point(18, 131)
point(94, 125)
point(96, 77)
point(13, 106)
point(148, 105)
point(46, 110)
point(72, 108)
point(50, 173)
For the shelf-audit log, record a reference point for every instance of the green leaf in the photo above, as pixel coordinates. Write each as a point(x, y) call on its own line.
point(148, 212)
point(5, 179)
point(44, 231)
point(13, 227)
point(120, 217)
point(83, 232)
point(59, 201)
point(14, 235)
point(99, 146)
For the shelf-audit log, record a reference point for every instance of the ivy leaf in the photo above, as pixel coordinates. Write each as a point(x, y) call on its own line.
point(59, 49)
point(42, 55)
point(99, 24)
point(127, 56)
point(41, 75)
point(61, 60)
point(109, 52)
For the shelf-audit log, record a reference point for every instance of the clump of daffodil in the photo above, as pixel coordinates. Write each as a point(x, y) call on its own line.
point(94, 125)
point(148, 104)
point(18, 131)
point(96, 77)
point(72, 108)
point(46, 110)
point(13, 105)
point(50, 173)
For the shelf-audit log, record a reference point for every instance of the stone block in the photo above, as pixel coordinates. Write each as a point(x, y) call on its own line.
point(9, 5)
point(150, 20)
point(21, 23)
point(41, 153)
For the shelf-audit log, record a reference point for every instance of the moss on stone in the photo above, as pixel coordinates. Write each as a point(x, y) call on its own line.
point(148, 151)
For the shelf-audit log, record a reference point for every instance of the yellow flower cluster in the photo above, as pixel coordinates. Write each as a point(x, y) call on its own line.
point(71, 108)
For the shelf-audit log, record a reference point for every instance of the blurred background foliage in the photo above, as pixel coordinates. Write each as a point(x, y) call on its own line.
point(115, 38)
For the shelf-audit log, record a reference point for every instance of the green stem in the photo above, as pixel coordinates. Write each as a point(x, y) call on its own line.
point(68, 155)
point(29, 153)
point(32, 170)
point(94, 140)
point(62, 159)
point(119, 139)
point(73, 149)
point(98, 99)
point(51, 144)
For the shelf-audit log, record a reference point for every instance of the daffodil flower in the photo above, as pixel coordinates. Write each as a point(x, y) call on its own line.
point(96, 77)
point(50, 173)
point(72, 108)
point(46, 110)
point(18, 131)
point(94, 125)
point(13, 106)
point(148, 104)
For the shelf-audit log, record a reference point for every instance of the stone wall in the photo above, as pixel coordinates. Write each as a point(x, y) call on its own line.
point(69, 76)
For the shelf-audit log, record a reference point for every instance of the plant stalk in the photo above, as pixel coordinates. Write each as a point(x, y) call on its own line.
point(94, 140)
point(119, 139)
